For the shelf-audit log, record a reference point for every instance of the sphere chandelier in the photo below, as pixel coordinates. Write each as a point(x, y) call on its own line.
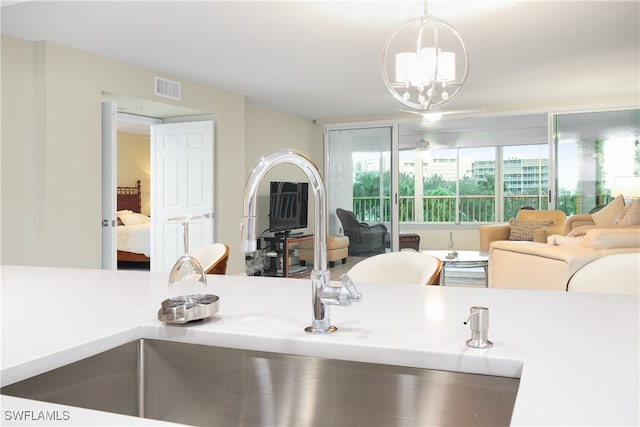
point(424, 62)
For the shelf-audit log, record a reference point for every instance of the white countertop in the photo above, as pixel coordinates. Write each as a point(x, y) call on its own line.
point(577, 355)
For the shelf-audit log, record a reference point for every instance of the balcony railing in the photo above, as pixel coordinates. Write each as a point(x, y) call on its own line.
point(443, 208)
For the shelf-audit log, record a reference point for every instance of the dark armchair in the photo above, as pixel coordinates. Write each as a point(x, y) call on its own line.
point(363, 238)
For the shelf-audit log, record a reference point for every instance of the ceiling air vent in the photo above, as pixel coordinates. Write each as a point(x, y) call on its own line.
point(167, 88)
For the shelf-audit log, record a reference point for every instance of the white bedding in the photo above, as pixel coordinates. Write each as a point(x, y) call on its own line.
point(134, 238)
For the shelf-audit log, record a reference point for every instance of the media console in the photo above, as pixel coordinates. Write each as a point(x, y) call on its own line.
point(279, 250)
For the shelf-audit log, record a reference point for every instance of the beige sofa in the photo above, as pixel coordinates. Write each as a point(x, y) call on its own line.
point(550, 266)
point(615, 214)
point(492, 232)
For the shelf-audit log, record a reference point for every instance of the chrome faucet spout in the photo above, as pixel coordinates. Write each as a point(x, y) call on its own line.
point(320, 276)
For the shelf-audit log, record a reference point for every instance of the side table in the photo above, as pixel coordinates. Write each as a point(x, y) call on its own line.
point(464, 259)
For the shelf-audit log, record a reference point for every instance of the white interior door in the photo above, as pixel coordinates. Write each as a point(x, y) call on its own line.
point(109, 147)
point(181, 184)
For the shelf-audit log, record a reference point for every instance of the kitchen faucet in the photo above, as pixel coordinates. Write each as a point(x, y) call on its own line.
point(322, 293)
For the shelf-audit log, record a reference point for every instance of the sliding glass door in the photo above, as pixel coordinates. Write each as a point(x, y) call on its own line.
point(598, 157)
point(359, 179)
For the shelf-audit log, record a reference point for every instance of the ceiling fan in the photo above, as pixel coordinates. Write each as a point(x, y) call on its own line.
point(423, 146)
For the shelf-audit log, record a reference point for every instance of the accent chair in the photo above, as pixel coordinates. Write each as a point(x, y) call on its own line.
point(363, 238)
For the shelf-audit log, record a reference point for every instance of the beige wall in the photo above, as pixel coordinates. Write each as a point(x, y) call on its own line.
point(465, 236)
point(268, 131)
point(51, 154)
point(19, 159)
point(134, 164)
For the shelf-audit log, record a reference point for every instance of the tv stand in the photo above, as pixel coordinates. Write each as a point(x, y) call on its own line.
point(279, 247)
point(288, 234)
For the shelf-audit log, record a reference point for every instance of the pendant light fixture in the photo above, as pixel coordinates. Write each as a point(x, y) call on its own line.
point(424, 62)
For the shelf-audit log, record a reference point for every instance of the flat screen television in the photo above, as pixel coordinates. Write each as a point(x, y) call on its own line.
point(288, 206)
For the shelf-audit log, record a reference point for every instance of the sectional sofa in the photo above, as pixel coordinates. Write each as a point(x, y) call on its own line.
point(550, 266)
point(568, 260)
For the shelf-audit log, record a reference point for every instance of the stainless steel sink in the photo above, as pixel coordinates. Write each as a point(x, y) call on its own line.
point(214, 386)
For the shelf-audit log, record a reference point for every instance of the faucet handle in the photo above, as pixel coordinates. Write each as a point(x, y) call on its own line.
point(348, 284)
point(343, 296)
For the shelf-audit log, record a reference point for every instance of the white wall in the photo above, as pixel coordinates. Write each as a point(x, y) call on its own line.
point(51, 154)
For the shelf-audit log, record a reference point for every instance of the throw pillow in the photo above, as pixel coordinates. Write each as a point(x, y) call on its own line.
point(558, 240)
point(630, 215)
point(523, 230)
point(612, 238)
point(134, 219)
point(608, 214)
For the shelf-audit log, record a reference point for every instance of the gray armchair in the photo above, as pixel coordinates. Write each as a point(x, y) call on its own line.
point(363, 238)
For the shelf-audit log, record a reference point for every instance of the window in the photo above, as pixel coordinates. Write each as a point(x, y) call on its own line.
point(472, 170)
point(525, 178)
point(596, 153)
point(459, 184)
point(476, 184)
point(485, 169)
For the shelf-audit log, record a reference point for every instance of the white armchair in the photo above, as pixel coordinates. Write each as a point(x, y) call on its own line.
point(404, 267)
point(612, 274)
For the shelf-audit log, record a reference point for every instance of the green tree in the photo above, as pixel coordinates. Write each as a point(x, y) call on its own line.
point(406, 184)
point(366, 184)
point(436, 185)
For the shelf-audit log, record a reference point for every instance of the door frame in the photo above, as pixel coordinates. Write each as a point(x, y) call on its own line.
point(110, 175)
point(395, 143)
point(109, 183)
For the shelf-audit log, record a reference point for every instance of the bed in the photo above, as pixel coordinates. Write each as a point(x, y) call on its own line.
point(133, 230)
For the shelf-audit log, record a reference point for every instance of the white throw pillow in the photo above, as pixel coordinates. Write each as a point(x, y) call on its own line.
point(612, 238)
point(608, 214)
point(630, 215)
point(558, 240)
point(134, 219)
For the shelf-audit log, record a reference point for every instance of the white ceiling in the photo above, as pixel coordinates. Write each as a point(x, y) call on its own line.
point(321, 59)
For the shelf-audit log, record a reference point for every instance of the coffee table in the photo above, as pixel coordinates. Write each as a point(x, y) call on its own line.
point(464, 259)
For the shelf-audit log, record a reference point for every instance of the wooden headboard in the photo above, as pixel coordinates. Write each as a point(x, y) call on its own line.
point(130, 198)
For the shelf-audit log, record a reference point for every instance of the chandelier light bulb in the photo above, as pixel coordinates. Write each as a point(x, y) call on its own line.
point(404, 62)
point(447, 69)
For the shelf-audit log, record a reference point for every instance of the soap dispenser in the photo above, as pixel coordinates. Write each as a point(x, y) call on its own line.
point(479, 322)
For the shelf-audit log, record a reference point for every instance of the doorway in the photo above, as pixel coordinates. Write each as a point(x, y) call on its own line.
point(361, 185)
point(131, 120)
point(133, 174)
